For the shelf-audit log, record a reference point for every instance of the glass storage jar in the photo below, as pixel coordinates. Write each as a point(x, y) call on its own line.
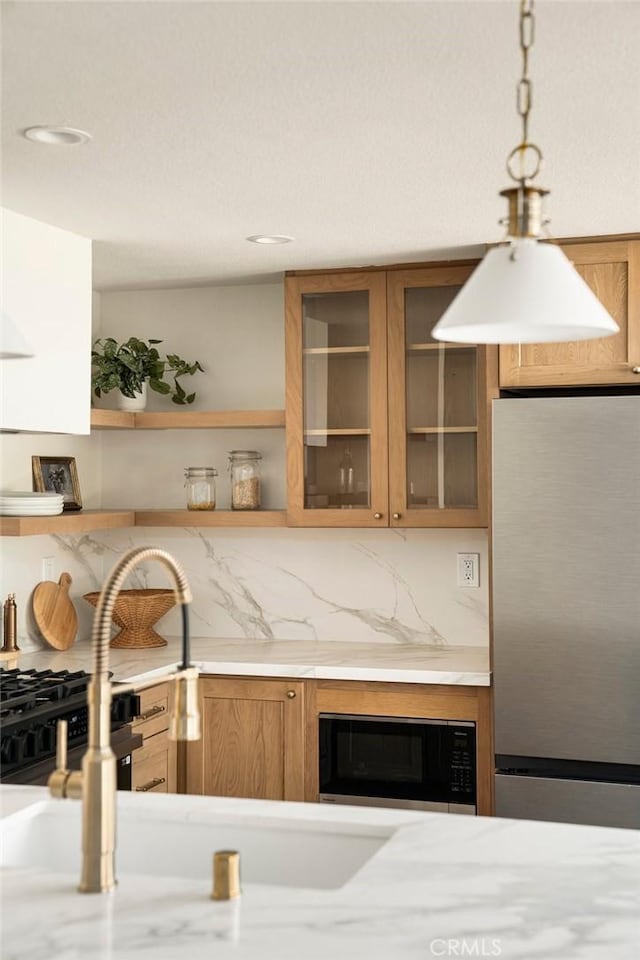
point(244, 468)
point(200, 483)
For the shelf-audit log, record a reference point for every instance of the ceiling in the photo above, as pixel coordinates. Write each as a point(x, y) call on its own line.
point(371, 132)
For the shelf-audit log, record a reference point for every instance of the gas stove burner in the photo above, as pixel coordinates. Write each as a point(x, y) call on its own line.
point(23, 689)
point(31, 703)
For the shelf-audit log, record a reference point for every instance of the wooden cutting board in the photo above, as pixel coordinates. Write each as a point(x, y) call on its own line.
point(54, 613)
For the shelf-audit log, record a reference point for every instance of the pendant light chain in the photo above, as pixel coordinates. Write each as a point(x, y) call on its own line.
point(527, 29)
point(524, 100)
point(524, 291)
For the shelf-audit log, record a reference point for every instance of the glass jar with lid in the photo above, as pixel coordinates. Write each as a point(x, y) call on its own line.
point(244, 469)
point(200, 484)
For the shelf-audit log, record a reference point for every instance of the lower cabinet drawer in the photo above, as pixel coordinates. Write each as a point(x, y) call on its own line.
point(154, 711)
point(154, 766)
point(152, 774)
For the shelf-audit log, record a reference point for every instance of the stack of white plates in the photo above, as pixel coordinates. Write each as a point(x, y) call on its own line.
point(16, 503)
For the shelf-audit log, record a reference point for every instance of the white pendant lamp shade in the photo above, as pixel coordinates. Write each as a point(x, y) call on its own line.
point(13, 346)
point(525, 292)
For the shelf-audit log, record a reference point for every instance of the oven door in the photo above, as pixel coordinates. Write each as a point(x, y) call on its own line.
point(397, 761)
point(123, 743)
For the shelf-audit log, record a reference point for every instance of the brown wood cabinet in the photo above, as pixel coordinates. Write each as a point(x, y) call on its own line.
point(612, 270)
point(385, 425)
point(155, 762)
point(435, 702)
point(438, 406)
point(336, 399)
point(252, 741)
point(260, 736)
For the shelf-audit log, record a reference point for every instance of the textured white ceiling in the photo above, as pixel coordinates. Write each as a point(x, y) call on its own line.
point(370, 132)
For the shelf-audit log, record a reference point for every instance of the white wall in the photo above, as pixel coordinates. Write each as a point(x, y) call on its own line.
point(16, 452)
point(355, 585)
point(367, 585)
point(237, 334)
point(21, 571)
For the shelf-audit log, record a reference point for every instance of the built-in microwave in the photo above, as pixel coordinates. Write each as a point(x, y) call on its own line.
point(398, 762)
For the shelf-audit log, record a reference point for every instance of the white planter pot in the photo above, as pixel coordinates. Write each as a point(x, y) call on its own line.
point(132, 404)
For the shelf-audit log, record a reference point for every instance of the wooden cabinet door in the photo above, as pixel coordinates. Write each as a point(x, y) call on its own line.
point(336, 399)
point(252, 740)
point(433, 701)
point(612, 270)
point(438, 406)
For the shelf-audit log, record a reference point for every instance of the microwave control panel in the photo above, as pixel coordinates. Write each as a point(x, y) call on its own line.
point(462, 753)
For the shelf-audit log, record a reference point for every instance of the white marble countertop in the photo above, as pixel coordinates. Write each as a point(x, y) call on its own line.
point(441, 886)
point(328, 660)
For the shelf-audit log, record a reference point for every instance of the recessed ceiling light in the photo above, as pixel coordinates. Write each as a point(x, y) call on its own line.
point(275, 238)
point(57, 136)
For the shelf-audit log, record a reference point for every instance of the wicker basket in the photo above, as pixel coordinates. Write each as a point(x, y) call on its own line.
point(135, 612)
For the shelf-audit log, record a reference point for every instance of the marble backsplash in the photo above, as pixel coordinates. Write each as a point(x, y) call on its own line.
point(376, 586)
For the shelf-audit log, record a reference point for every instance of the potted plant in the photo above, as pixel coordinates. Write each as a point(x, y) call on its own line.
point(128, 367)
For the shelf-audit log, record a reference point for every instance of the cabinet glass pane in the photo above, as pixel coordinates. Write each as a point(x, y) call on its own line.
point(441, 388)
point(423, 307)
point(336, 473)
point(336, 388)
point(441, 405)
point(441, 471)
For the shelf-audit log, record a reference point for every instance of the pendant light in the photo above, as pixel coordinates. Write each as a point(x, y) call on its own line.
point(525, 290)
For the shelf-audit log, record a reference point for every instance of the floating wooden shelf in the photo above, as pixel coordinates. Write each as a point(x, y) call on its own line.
point(87, 520)
point(353, 432)
point(335, 351)
point(209, 419)
point(441, 346)
point(71, 522)
point(112, 420)
point(211, 518)
point(418, 503)
point(186, 419)
point(421, 430)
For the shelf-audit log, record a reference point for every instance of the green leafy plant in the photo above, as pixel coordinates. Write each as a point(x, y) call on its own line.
point(126, 366)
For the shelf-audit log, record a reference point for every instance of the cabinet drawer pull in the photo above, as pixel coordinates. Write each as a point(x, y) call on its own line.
point(152, 712)
point(377, 516)
point(291, 694)
point(151, 784)
point(635, 369)
point(397, 516)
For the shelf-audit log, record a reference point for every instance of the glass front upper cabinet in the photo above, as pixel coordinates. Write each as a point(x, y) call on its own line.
point(336, 399)
point(437, 407)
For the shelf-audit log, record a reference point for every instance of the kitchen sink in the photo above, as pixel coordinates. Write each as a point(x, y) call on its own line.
point(177, 837)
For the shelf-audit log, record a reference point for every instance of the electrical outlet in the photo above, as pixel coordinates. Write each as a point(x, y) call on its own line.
point(47, 568)
point(468, 569)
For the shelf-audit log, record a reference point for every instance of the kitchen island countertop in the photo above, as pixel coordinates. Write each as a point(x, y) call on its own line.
point(440, 886)
point(326, 660)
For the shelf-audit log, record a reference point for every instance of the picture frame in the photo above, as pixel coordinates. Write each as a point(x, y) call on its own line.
point(57, 475)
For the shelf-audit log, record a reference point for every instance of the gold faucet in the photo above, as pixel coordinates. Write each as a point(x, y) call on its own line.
point(95, 784)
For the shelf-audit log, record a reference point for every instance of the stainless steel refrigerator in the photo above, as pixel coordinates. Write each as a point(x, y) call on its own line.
point(566, 608)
